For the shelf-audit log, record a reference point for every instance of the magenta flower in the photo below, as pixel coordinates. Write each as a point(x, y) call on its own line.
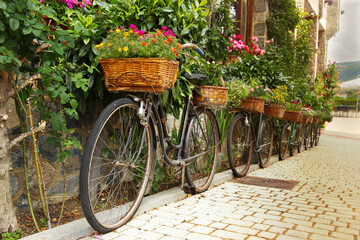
point(140, 33)
point(133, 26)
point(164, 28)
point(251, 90)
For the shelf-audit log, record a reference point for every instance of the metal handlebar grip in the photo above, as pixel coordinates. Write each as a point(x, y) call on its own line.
point(195, 47)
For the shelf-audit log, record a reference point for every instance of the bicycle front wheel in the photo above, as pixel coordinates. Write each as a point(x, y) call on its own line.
point(239, 142)
point(203, 145)
point(300, 137)
point(116, 166)
point(307, 136)
point(284, 141)
point(266, 141)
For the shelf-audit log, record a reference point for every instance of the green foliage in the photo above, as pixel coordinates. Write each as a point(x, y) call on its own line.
point(12, 235)
point(238, 90)
point(217, 36)
point(43, 222)
point(280, 95)
point(224, 119)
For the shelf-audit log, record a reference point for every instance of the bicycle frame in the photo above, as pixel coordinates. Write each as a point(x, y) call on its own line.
point(148, 106)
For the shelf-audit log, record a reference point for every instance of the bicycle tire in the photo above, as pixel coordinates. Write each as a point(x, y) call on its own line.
point(307, 136)
point(318, 133)
point(266, 139)
point(300, 138)
point(116, 166)
point(239, 155)
point(284, 141)
point(202, 135)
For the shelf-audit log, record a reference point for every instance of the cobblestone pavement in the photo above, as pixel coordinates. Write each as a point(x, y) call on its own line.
point(324, 205)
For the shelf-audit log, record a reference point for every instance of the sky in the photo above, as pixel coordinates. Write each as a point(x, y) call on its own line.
point(345, 45)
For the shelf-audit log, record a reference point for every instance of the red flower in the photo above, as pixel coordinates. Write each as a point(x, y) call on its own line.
point(143, 43)
point(170, 39)
point(166, 42)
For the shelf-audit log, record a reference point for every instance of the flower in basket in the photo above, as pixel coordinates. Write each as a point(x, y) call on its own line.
point(238, 91)
point(257, 90)
point(280, 95)
point(135, 43)
point(293, 106)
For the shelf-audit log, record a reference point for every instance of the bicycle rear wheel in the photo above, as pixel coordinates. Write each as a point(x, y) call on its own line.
point(116, 166)
point(203, 144)
point(284, 141)
point(307, 136)
point(266, 141)
point(300, 137)
point(318, 128)
point(239, 145)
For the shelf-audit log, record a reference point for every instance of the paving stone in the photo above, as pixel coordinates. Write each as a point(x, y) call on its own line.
point(267, 235)
point(342, 235)
point(197, 236)
point(295, 233)
point(150, 235)
point(228, 235)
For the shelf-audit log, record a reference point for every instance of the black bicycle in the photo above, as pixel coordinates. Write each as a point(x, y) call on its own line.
point(291, 139)
point(119, 158)
point(242, 140)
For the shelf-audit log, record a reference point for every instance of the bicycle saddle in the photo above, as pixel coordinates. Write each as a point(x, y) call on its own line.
point(195, 77)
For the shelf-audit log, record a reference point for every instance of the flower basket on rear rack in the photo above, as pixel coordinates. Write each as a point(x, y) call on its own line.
point(275, 110)
point(211, 96)
point(253, 104)
point(139, 74)
point(292, 116)
point(305, 119)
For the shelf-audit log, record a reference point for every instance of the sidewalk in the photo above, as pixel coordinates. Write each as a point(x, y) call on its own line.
point(325, 204)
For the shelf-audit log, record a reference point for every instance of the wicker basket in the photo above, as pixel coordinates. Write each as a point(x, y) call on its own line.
point(253, 104)
point(211, 96)
point(304, 119)
point(274, 110)
point(291, 116)
point(315, 119)
point(139, 74)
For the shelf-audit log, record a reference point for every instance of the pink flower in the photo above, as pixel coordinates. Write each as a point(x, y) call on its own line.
point(305, 105)
point(133, 26)
point(272, 40)
point(164, 28)
point(255, 39)
point(257, 86)
point(251, 90)
point(140, 33)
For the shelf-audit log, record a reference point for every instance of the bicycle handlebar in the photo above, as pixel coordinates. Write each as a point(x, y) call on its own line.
point(195, 47)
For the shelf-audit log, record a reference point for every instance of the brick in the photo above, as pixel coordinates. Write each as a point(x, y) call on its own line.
point(324, 226)
point(218, 225)
point(347, 220)
point(260, 226)
point(255, 209)
point(202, 229)
point(253, 219)
point(150, 235)
point(348, 231)
point(312, 230)
point(174, 232)
point(228, 235)
point(196, 236)
point(339, 215)
point(202, 221)
point(267, 216)
point(184, 226)
point(284, 237)
point(342, 235)
point(295, 233)
point(237, 222)
point(132, 232)
point(297, 221)
point(254, 238)
point(137, 223)
point(321, 237)
point(267, 235)
point(170, 238)
point(278, 224)
point(303, 212)
point(296, 216)
point(238, 229)
point(110, 236)
point(340, 224)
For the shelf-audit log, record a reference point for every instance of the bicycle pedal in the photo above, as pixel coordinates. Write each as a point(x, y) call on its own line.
point(189, 189)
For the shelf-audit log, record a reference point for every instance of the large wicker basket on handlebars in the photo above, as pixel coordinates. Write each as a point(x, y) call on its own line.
point(253, 104)
point(211, 96)
point(292, 116)
point(274, 110)
point(139, 74)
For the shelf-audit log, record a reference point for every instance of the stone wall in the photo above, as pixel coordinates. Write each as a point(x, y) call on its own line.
point(52, 170)
point(261, 11)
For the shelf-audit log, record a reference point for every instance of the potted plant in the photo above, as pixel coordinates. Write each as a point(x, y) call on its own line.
point(133, 60)
point(276, 107)
point(212, 91)
point(292, 112)
point(258, 94)
point(238, 91)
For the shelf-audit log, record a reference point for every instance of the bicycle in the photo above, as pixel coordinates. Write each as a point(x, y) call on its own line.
point(119, 158)
point(308, 129)
point(242, 140)
point(316, 133)
point(291, 138)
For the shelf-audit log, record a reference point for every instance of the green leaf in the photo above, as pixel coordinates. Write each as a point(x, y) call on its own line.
point(2, 5)
point(86, 40)
point(27, 30)
point(2, 26)
point(64, 97)
point(2, 38)
point(14, 24)
point(73, 103)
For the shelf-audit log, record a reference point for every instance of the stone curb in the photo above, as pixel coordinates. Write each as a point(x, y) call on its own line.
point(80, 228)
